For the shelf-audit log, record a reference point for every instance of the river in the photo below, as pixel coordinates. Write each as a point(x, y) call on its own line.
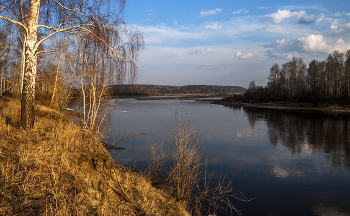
point(294, 163)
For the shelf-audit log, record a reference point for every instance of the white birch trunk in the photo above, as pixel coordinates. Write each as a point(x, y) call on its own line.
point(23, 64)
point(56, 78)
point(28, 93)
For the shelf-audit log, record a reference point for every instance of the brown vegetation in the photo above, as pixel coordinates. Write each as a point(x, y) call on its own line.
point(178, 168)
point(56, 168)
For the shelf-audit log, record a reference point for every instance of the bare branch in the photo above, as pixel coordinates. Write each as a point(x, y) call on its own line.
point(5, 8)
point(105, 43)
point(126, 40)
point(69, 9)
point(42, 52)
point(14, 22)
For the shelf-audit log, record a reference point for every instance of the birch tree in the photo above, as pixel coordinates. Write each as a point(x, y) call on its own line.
point(313, 77)
point(274, 83)
point(53, 17)
point(61, 48)
point(347, 74)
point(5, 42)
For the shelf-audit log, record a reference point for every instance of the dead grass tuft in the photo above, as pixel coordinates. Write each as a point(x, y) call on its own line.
point(58, 169)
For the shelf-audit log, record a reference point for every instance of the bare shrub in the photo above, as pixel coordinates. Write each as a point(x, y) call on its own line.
point(179, 168)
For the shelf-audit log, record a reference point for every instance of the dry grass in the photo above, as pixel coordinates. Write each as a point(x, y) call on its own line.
point(58, 169)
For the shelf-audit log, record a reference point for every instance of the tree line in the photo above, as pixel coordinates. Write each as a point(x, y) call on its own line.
point(142, 89)
point(326, 81)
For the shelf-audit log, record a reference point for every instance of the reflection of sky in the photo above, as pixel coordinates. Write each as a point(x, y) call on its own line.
point(239, 147)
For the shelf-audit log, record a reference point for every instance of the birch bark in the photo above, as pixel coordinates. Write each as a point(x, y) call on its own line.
point(28, 93)
point(23, 64)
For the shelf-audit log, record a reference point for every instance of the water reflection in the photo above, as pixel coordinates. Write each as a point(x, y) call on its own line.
point(313, 132)
point(293, 162)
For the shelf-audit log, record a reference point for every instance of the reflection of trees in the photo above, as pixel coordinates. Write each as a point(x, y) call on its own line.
point(317, 132)
point(235, 108)
point(254, 116)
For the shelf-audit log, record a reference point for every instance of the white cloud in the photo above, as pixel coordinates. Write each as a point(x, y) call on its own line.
point(215, 26)
point(149, 12)
point(289, 56)
point(201, 51)
point(282, 15)
point(283, 45)
point(272, 55)
point(209, 50)
point(240, 10)
point(195, 52)
point(337, 14)
point(210, 12)
point(217, 32)
point(241, 55)
point(303, 7)
point(309, 44)
point(163, 34)
point(314, 43)
point(331, 20)
point(320, 19)
point(341, 45)
point(340, 29)
point(347, 14)
point(263, 7)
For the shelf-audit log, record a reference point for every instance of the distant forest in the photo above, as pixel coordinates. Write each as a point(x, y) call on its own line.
point(138, 89)
point(327, 81)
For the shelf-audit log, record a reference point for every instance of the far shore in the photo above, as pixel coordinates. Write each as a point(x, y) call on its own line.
point(182, 97)
point(290, 106)
point(283, 105)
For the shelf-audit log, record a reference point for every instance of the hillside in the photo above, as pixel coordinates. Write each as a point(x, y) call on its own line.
point(140, 89)
point(56, 168)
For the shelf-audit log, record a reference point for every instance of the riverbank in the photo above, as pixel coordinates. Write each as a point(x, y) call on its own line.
point(58, 169)
point(285, 105)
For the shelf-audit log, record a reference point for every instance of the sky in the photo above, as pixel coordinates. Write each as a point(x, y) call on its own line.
point(232, 42)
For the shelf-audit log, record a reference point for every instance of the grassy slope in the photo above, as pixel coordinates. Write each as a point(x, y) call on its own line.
point(57, 169)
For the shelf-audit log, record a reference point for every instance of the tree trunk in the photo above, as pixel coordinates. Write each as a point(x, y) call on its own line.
point(23, 64)
point(56, 78)
point(28, 92)
point(2, 73)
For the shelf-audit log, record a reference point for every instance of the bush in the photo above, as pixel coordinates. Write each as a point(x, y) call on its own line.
point(179, 169)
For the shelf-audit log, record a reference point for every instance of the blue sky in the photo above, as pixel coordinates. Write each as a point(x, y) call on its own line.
point(231, 42)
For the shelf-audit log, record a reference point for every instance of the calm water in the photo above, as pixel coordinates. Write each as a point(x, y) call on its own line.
point(294, 163)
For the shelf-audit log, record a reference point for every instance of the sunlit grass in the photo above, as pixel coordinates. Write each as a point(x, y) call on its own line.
point(58, 169)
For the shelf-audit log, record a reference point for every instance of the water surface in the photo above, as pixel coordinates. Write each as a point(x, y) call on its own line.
point(294, 163)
